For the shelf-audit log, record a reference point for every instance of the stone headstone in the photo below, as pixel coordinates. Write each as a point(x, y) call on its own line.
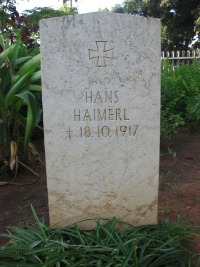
point(101, 101)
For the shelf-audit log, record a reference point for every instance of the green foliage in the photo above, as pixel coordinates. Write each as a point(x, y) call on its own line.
point(193, 110)
point(141, 246)
point(117, 9)
point(26, 26)
point(180, 97)
point(19, 76)
point(180, 19)
point(36, 14)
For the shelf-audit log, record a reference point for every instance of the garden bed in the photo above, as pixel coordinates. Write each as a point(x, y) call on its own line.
point(179, 193)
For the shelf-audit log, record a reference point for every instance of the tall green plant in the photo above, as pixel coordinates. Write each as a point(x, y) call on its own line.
point(18, 107)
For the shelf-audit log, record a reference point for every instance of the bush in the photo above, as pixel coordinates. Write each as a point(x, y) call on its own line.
point(180, 97)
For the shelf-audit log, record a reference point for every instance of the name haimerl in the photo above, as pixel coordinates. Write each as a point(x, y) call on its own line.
point(110, 114)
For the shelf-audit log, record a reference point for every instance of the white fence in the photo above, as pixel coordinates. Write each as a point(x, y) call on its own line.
point(184, 57)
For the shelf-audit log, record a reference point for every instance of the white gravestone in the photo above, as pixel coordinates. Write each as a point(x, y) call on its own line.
point(101, 100)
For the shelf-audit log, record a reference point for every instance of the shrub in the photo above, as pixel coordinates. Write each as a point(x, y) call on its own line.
point(180, 97)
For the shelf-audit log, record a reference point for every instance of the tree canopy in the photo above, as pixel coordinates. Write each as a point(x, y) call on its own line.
point(36, 14)
point(180, 19)
point(26, 26)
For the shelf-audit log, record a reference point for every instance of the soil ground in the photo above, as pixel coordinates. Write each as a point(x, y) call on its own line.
point(179, 192)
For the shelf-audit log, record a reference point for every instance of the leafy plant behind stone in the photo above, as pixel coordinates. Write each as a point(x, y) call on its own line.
point(19, 114)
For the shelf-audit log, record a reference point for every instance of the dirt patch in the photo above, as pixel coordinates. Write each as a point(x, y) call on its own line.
point(179, 194)
point(15, 200)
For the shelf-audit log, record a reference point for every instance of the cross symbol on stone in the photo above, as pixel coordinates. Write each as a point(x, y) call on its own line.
point(101, 53)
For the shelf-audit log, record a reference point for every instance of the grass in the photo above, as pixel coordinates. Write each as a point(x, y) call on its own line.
point(142, 246)
point(176, 188)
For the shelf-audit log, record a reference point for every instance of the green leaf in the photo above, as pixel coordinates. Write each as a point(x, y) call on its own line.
point(15, 78)
point(9, 51)
point(30, 65)
point(5, 79)
point(30, 100)
point(17, 87)
point(8, 61)
point(15, 54)
point(36, 76)
point(22, 60)
point(40, 225)
point(34, 87)
point(38, 116)
point(2, 133)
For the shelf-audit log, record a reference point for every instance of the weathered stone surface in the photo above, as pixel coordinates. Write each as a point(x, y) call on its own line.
point(101, 100)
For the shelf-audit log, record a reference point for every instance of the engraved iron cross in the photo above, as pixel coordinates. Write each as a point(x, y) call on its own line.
point(101, 53)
